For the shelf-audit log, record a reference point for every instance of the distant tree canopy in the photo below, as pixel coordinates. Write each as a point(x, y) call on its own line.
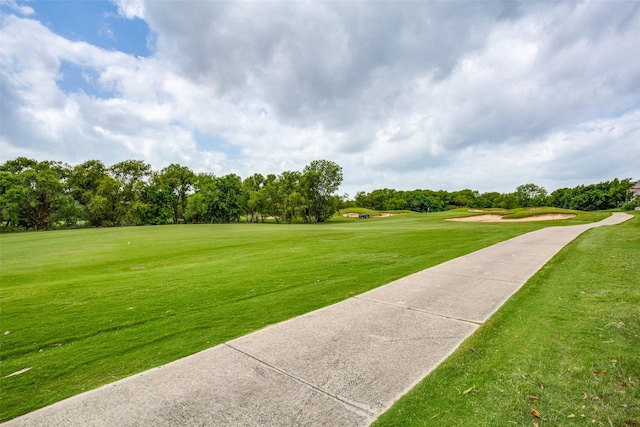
point(43, 195)
point(605, 195)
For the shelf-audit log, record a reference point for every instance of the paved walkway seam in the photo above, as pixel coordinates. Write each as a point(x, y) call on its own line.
point(364, 411)
point(475, 322)
point(469, 276)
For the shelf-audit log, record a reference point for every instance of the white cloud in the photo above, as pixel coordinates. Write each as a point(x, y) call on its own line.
point(435, 95)
point(19, 8)
point(130, 8)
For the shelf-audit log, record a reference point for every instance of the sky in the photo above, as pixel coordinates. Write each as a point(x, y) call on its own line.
point(405, 95)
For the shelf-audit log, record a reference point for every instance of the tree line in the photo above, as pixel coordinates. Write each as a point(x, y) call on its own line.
point(605, 195)
point(43, 195)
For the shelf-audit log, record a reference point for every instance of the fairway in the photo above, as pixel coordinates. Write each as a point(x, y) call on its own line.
point(82, 308)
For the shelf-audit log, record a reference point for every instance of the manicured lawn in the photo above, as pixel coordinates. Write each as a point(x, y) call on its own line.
point(82, 308)
point(565, 350)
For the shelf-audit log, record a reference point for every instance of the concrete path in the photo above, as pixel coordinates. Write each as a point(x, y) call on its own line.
point(343, 365)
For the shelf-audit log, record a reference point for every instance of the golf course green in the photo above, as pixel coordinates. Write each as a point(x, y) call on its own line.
point(81, 308)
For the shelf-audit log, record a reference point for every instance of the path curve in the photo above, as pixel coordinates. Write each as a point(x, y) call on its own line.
point(341, 365)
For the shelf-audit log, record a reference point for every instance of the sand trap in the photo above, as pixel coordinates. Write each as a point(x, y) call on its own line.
point(498, 218)
point(357, 215)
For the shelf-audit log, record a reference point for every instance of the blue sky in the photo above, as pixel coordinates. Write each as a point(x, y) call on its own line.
point(95, 22)
point(439, 95)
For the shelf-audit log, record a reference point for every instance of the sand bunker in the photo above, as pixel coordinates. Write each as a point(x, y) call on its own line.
point(498, 218)
point(357, 215)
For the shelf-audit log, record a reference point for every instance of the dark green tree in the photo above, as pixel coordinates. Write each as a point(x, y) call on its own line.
point(251, 197)
point(32, 193)
point(132, 177)
point(177, 180)
point(105, 208)
point(320, 180)
point(217, 200)
point(531, 195)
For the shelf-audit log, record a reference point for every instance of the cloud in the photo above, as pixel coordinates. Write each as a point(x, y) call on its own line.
point(19, 8)
point(130, 8)
point(484, 95)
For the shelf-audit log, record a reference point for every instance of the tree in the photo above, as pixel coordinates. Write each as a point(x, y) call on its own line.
point(423, 201)
point(619, 191)
point(196, 203)
point(104, 207)
point(158, 203)
point(251, 198)
point(378, 199)
point(604, 195)
point(177, 180)
point(131, 176)
point(531, 195)
point(271, 198)
point(464, 198)
point(32, 193)
point(279, 196)
point(217, 200)
point(289, 191)
point(84, 180)
point(18, 165)
point(229, 201)
point(69, 211)
point(561, 198)
point(320, 179)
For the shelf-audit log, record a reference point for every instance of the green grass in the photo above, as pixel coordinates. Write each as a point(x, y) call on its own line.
point(567, 345)
point(82, 308)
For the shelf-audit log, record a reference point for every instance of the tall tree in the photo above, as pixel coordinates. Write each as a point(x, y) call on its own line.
point(132, 176)
point(290, 195)
point(464, 198)
point(229, 207)
point(105, 207)
point(531, 195)
point(32, 193)
point(217, 200)
point(320, 179)
point(85, 178)
point(178, 180)
point(251, 197)
point(83, 182)
point(159, 202)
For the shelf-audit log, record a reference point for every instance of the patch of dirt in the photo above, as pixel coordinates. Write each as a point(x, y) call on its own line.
point(498, 218)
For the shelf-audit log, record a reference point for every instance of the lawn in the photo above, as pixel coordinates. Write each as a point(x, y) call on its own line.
point(81, 308)
point(564, 350)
